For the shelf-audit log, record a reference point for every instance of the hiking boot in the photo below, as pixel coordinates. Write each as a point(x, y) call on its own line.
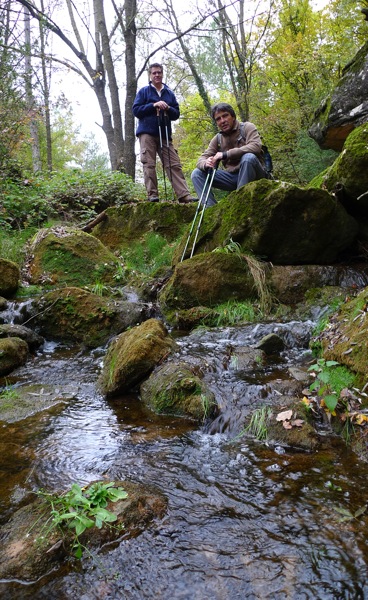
point(187, 200)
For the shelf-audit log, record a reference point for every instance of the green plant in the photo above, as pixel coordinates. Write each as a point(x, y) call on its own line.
point(258, 423)
point(8, 393)
point(234, 313)
point(100, 289)
point(230, 248)
point(330, 379)
point(348, 515)
point(79, 509)
point(207, 404)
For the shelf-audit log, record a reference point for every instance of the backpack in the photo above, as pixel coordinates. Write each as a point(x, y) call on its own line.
point(266, 156)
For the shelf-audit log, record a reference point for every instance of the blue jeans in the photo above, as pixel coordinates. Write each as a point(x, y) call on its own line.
point(250, 170)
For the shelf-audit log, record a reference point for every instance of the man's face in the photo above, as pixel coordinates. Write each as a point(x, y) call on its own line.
point(224, 121)
point(156, 75)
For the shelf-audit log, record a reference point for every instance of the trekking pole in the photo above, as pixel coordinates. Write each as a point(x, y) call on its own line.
point(203, 209)
point(197, 211)
point(168, 146)
point(162, 150)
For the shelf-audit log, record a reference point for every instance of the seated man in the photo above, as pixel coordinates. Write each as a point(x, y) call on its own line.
point(238, 146)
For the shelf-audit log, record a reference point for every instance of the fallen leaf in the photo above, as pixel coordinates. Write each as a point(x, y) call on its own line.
point(287, 425)
point(285, 415)
point(297, 423)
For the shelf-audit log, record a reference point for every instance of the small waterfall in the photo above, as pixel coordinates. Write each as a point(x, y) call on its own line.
point(16, 313)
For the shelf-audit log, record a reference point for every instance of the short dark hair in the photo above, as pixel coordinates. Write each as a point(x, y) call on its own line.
point(222, 107)
point(155, 65)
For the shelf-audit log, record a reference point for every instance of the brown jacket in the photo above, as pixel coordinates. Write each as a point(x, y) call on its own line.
point(235, 145)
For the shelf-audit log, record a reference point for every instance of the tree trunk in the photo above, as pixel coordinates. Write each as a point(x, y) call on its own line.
point(31, 104)
point(113, 86)
point(130, 36)
point(46, 94)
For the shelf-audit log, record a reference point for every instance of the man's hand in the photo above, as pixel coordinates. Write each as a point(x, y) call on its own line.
point(161, 105)
point(213, 161)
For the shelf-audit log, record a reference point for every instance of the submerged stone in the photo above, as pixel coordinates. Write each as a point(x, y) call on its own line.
point(174, 389)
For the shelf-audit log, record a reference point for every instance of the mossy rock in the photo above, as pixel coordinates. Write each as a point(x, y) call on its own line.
point(350, 170)
point(207, 280)
point(9, 277)
point(279, 222)
point(132, 356)
point(173, 389)
point(70, 256)
point(76, 315)
point(345, 340)
point(125, 225)
point(13, 354)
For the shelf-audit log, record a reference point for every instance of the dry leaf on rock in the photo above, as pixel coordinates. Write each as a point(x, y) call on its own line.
point(285, 415)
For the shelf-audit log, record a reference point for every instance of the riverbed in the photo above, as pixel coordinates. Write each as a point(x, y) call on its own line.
point(245, 519)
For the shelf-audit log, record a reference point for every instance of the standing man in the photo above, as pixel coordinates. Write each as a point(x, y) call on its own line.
point(156, 106)
point(238, 146)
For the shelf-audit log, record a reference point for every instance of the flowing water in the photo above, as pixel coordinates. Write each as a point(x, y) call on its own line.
point(244, 520)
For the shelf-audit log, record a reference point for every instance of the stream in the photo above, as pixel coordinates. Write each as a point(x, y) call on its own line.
point(245, 520)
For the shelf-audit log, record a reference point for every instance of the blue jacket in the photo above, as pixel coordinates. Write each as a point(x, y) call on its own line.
point(144, 110)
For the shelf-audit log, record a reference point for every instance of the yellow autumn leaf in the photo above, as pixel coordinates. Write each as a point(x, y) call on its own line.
point(360, 419)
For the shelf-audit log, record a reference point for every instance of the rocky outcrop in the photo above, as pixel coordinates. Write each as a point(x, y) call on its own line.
point(76, 315)
point(347, 178)
point(132, 356)
point(348, 106)
point(174, 389)
point(9, 277)
point(68, 256)
point(127, 224)
point(280, 222)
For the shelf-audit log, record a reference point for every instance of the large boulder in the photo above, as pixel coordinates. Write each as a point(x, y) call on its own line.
point(208, 279)
point(65, 255)
point(348, 106)
point(174, 389)
point(76, 315)
point(132, 356)
point(13, 354)
point(9, 277)
point(126, 224)
point(279, 222)
point(348, 176)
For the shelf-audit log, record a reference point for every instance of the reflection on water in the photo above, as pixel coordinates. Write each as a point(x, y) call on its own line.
point(243, 520)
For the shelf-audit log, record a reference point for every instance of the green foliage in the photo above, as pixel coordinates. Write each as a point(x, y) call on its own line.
point(230, 248)
point(149, 255)
point(330, 379)
point(12, 244)
point(8, 394)
point(79, 509)
point(235, 313)
point(70, 194)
